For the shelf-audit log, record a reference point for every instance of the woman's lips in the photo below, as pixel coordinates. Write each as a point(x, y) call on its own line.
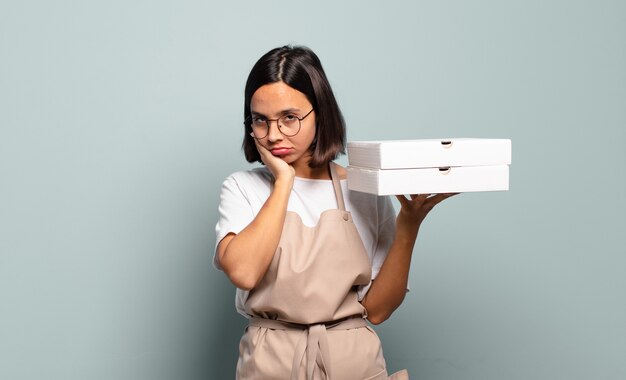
point(280, 151)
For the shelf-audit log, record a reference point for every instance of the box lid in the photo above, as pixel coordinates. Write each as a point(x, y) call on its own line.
point(424, 153)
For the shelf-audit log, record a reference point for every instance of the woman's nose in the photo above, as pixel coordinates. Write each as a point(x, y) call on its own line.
point(273, 132)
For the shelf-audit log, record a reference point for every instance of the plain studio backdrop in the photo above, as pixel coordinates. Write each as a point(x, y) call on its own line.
point(119, 121)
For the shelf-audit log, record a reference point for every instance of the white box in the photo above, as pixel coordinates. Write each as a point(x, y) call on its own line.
point(429, 166)
point(429, 180)
point(429, 153)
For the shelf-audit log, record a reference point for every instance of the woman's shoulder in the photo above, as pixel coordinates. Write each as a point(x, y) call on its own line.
point(258, 173)
point(255, 177)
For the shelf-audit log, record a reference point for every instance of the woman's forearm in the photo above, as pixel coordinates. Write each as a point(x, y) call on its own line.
point(389, 288)
point(246, 256)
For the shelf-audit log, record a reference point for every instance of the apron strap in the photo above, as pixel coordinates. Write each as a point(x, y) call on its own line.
point(337, 185)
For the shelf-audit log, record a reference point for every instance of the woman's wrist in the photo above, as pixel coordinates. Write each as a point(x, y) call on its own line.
point(406, 231)
point(407, 222)
point(284, 182)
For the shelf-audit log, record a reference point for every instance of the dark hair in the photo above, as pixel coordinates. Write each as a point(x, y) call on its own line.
point(301, 69)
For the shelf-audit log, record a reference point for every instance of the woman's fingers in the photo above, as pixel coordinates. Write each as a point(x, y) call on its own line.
point(435, 199)
point(428, 200)
point(266, 156)
point(414, 210)
point(277, 166)
point(403, 201)
point(414, 197)
point(420, 196)
point(262, 150)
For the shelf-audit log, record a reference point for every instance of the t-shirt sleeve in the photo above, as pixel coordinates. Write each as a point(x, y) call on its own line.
point(235, 213)
point(386, 231)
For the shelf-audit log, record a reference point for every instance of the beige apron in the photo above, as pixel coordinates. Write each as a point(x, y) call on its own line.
point(307, 322)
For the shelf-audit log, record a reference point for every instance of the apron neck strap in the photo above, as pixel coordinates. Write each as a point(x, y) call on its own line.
point(337, 186)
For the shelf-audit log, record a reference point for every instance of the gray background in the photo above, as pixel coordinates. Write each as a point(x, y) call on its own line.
point(120, 119)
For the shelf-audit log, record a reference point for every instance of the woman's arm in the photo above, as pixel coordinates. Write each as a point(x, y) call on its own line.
point(246, 256)
point(389, 288)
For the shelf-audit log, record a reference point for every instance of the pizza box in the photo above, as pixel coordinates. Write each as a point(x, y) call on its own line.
point(429, 180)
point(429, 153)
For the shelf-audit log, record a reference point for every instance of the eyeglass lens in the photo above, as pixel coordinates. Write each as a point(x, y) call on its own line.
point(289, 125)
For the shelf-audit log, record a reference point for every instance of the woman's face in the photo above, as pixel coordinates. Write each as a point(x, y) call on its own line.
point(274, 100)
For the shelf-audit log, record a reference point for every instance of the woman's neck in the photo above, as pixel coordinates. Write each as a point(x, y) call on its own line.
point(304, 171)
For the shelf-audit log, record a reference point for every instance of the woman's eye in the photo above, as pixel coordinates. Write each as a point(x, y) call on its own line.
point(258, 120)
point(290, 117)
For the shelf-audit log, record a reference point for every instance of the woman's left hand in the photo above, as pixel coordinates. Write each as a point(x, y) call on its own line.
point(414, 210)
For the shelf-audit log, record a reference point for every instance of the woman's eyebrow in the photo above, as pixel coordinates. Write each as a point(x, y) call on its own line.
point(288, 110)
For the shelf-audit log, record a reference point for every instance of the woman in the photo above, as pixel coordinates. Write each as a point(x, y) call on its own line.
point(311, 260)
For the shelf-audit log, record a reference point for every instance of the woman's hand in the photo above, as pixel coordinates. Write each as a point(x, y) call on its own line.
point(414, 210)
point(279, 168)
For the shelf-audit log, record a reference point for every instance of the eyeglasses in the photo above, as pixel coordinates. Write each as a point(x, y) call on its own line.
point(288, 124)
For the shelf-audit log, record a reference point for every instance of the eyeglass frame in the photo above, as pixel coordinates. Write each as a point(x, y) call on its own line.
point(269, 125)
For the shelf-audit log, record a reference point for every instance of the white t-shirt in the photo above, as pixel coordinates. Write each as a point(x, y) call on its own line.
point(244, 193)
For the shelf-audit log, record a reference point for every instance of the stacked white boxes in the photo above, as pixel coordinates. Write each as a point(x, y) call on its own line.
point(429, 166)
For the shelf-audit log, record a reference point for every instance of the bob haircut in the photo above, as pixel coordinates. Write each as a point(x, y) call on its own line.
point(301, 69)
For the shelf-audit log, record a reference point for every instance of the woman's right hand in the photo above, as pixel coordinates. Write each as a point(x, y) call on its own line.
point(279, 168)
